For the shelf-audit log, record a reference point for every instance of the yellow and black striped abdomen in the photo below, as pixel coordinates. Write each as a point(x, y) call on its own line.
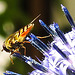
point(23, 32)
point(18, 36)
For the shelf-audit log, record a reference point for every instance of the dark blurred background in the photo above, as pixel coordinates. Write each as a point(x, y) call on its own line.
point(15, 14)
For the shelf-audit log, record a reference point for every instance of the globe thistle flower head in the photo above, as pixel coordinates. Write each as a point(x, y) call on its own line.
point(61, 55)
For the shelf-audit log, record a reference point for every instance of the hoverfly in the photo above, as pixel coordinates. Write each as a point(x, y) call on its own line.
point(16, 40)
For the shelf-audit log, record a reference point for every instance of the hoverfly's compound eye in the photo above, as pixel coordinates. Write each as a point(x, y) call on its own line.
point(4, 47)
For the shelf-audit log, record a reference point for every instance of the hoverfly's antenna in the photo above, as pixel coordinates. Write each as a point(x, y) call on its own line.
point(35, 18)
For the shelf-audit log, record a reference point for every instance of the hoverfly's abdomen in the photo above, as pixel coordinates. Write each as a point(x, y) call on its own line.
point(20, 35)
point(26, 30)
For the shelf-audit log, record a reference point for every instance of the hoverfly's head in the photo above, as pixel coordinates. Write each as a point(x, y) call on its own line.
point(4, 48)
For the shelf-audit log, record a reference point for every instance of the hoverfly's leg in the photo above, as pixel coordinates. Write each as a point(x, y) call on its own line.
point(17, 51)
point(24, 50)
point(26, 42)
point(11, 59)
point(44, 36)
